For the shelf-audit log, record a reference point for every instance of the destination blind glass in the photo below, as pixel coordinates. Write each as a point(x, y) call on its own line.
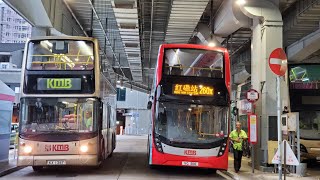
point(59, 84)
point(192, 90)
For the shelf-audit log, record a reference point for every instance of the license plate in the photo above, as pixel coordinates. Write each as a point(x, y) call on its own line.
point(186, 163)
point(57, 162)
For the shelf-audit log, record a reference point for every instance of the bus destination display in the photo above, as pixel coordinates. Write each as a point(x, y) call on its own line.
point(59, 84)
point(192, 90)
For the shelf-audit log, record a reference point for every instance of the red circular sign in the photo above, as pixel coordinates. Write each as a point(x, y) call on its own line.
point(252, 95)
point(278, 62)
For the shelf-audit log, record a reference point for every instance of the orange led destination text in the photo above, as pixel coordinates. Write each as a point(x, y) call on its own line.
point(192, 90)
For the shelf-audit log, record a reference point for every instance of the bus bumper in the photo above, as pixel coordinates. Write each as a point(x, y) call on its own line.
point(69, 160)
point(198, 162)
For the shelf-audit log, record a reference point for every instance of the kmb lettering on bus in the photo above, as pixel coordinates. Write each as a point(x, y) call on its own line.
point(59, 83)
point(190, 152)
point(57, 147)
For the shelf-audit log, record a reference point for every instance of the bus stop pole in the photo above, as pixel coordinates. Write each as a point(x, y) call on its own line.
point(252, 148)
point(279, 127)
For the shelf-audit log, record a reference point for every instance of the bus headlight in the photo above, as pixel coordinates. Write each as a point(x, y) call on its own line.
point(222, 149)
point(158, 144)
point(27, 149)
point(84, 148)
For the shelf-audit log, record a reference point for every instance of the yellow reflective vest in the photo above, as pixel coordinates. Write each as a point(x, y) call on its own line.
point(234, 136)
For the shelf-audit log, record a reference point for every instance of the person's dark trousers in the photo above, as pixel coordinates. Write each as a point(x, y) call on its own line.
point(237, 159)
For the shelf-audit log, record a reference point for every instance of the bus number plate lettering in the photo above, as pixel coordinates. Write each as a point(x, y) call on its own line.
point(56, 162)
point(186, 163)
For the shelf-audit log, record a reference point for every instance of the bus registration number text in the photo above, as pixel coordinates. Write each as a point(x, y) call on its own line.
point(186, 163)
point(57, 162)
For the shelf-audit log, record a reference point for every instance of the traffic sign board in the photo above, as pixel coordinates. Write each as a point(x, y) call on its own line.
point(290, 156)
point(278, 62)
point(252, 95)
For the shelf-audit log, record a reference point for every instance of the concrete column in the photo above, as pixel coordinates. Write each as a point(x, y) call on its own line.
point(265, 39)
point(267, 36)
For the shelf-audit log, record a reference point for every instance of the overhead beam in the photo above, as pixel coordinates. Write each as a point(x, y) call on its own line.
point(303, 48)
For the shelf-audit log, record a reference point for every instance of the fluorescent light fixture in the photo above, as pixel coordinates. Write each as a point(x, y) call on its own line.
point(241, 2)
point(212, 44)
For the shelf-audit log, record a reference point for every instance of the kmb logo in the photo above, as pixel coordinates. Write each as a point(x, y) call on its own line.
point(190, 152)
point(59, 83)
point(57, 147)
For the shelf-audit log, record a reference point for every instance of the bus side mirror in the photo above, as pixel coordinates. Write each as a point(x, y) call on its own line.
point(149, 105)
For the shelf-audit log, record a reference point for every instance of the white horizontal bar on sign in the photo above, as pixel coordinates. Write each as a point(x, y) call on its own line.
point(277, 61)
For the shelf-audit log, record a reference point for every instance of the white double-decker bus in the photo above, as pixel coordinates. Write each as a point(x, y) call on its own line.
point(68, 107)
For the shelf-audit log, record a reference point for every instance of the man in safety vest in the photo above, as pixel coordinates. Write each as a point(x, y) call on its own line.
point(88, 120)
point(237, 136)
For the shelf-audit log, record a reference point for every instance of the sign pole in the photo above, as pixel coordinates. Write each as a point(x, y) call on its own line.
point(252, 157)
point(252, 97)
point(284, 159)
point(252, 148)
point(279, 127)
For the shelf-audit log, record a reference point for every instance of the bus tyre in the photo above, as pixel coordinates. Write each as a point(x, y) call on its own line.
point(151, 166)
point(103, 151)
point(113, 144)
point(37, 168)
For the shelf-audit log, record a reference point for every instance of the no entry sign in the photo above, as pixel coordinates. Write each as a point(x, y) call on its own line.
point(278, 62)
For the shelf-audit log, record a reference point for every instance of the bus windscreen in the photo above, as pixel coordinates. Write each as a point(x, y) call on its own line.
point(193, 62)
point(60, 55)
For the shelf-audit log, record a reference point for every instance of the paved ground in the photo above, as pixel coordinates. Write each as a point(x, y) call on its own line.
point(313, 172)
point(129, 162)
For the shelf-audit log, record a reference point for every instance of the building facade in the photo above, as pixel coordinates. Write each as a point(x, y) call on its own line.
point(13, 28)
point(11, 55)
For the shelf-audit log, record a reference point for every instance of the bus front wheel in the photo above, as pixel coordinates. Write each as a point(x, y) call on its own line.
point(37, 168)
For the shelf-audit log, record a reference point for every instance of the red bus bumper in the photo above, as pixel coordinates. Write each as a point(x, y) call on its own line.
point(202, 162)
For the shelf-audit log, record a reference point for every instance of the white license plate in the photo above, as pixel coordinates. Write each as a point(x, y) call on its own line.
point(57, 162)
point(186, 163)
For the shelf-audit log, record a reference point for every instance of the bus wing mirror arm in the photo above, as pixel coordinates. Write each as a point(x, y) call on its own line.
point(149, 105)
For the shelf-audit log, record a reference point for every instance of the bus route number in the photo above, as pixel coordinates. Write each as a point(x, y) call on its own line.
point(192, 90)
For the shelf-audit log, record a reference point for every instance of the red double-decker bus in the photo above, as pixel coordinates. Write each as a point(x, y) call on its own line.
point(190, 107)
